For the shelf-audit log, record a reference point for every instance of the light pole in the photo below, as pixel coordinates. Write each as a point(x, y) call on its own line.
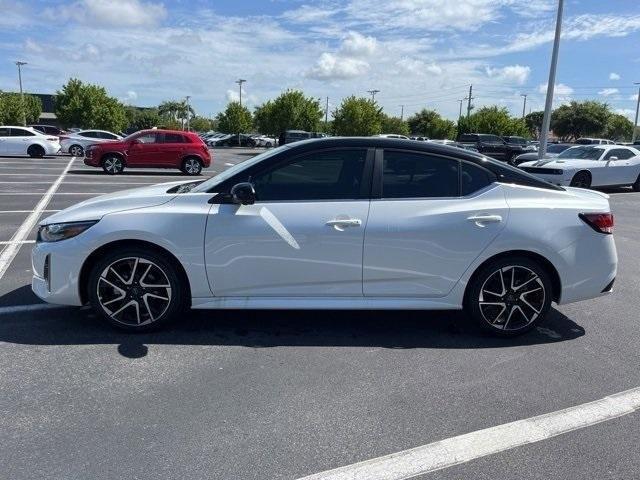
point(373, 94)
point(401, 112)
point(546, 119)
point(635, 123)
point(188, 113)
point(524, 105)
point(24, 110)
point(240, 81)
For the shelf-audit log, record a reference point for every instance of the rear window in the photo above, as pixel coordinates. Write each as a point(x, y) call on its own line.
point(173, 138)
point(467, 138)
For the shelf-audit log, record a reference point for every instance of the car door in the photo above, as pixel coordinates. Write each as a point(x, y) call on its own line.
point(144, 151)
point(618, 169)
point(302, 237)
point(171, 149)
point(5, 136)
point(430, 217)
point(18, 142)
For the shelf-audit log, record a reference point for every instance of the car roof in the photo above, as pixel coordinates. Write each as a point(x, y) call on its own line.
point(95, 130)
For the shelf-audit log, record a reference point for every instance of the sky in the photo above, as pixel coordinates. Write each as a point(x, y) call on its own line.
point(417, 53)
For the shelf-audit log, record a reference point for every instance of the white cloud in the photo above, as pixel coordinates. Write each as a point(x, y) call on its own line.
point(418, 67)
point(511, 73)
point(110, 13)
point(333, 67)
point(357, 45)
point(605, 92)
point(308, 14)
point(634, 97)
point(627, 112)
point(614, 76)
point(560, 89)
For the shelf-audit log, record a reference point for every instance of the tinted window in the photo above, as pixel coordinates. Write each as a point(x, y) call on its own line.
point(621, 153)
point(147, 138)
point(491, 139)
point(105, 135)
point(468, 138)
point(172, 138)
point(4, 132)
point(19, 132)
point(556, 148)
point(335, 174)
point(474, 178)
point(88, 134)
point(413, 175)
point(583, 153)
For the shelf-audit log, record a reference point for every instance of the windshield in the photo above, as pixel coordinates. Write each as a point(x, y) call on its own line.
point(230, 172)
point(582, 153)
point(557, 148)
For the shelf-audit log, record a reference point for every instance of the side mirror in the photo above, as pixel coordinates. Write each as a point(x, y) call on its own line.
point(243, 194)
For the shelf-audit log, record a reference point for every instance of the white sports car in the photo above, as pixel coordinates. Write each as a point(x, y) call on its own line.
point(588, 166)
point(337, 223)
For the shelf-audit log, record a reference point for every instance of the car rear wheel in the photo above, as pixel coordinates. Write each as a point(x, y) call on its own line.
point(135, 290)
point(191, 166)
point(636, 185)
point(35, 151)
point(112, 164)
point(581, 180)
point(509, 296)
point(76, 151)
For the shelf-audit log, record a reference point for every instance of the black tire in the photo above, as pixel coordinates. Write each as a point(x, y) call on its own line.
point(507, 311)
point(191, 166)
point(137, 304)
point(35, 151)
point(581, 180)
point(76, 151)
point(112, 164)
point(636, 186)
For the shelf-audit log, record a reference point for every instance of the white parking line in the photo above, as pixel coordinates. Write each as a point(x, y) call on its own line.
point(11, 242)
point(9, 253)
point(26, 211)
point(56, 193)
point(29, 308)
point(84, 183)
point(463, 448)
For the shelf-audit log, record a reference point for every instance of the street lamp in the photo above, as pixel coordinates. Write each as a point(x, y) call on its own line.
point(546, 119)
point(635, 123)
point(240, 81)
point(24, 110)
point(188, 113)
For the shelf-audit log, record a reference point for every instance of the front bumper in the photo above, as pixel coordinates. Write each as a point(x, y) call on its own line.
point(57, 283)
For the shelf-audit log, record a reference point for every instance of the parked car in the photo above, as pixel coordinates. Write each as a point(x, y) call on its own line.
point(291, 136)
point(453, 143)
point(76, 143)
point(264, 141)
point(553, 150)
point(448, 229)
point(151, 149)
point(492, 146)
point(522, 142)
point(27, 141)
point(594, 141)
point(588, 166)
point(48, 129)
point(392, 135)
point(420, 139)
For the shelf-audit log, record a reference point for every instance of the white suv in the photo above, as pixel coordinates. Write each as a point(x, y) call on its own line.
point(27, 141)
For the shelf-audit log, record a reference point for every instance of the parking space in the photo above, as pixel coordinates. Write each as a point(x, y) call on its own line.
point(280, 395)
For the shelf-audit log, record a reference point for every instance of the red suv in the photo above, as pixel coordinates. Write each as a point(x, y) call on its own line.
point(151, 149)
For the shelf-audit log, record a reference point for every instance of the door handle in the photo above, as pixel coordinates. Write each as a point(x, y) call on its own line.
point(482, 220)
point(342, 223)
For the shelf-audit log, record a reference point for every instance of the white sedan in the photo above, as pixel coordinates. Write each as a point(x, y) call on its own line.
point(27, 141)
point(338, 223)
point(76, 143)
point(588, 166)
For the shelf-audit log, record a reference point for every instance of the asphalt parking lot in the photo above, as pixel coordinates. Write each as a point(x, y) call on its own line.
point(282, 395)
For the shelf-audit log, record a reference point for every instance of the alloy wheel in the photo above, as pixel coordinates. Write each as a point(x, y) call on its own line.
point(192, 166)
point(511, 298)
point(113, 165)
point(134, 291)
point(76, 151)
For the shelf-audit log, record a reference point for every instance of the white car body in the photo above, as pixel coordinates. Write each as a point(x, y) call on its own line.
point(400, 253)
point(16, 140)
point(265, 141)
point(84, 138)
point(614, 165)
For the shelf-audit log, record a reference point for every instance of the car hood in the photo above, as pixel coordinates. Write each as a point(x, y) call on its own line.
point(97, 207)
point(564, 164)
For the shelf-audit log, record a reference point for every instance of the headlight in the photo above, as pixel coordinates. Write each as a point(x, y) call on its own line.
point(61, 231)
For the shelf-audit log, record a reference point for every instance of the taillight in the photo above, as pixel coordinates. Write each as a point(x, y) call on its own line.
point(600, 222)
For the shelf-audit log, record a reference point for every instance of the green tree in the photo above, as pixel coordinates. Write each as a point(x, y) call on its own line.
point(88, 106)
point(201, 124)
point(291, 110)
point(618, 127)
point(357, 116)
point(579, 119)
point(429, 123)
point(493, 120)
point(534, 123)
point(236, 118)
point(394, 125)
point(142, 119)
point(176, 110)
point(13, 111)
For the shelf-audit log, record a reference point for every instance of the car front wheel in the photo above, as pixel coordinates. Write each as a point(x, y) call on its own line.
point(135, 289)
point(509, 296)
point(112, 164)
point(581, 180)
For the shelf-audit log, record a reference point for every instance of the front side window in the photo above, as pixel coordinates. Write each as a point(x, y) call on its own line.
point(19, 132)
point(414, 175)
point(325, 175)
point(89, 134)
point(147, 138)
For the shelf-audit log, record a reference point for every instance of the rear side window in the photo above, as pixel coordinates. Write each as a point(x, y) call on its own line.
point(19, 132)
point(468, 138)
point(173, 138)
point(474, 178)
point(414, 175)
point(4, 132)
point(106, 136)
